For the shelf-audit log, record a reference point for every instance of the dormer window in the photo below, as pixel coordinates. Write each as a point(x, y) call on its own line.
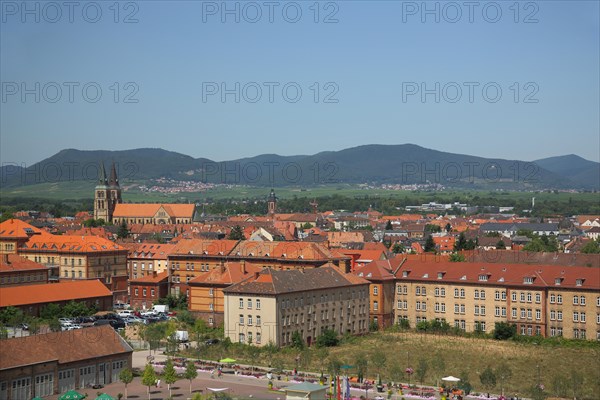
point(440, 275)
point(404, 274)
point(426, 276)
point(463, 278)
point(579, 282)
point(483, 278)
point(558, 281)
point(528, 280)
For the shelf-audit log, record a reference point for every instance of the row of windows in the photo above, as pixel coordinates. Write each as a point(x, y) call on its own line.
point(242, 338)
point(248, 303)
point(144, 292)
point(526, 297)
point(22, 278)
point(251, 320)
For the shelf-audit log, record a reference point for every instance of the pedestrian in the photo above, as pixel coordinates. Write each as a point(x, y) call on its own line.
point(158, 383)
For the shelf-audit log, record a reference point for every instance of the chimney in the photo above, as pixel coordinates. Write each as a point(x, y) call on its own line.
point(256, 275)
point(154, 274)
point(243, 266)
point(222, 266)
point(5, 258)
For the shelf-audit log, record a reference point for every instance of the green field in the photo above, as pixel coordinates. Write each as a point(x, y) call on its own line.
point(85, 190)
point(443, 355)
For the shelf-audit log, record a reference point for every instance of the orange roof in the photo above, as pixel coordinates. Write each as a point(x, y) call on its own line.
point(52, 292)
point(501, 274)
point(17, 229)
point(69, 243)
point(123, 210)
point(151, 278)
point(230, 274)
point(201, 246)
point(18, 263)
point(372, 255)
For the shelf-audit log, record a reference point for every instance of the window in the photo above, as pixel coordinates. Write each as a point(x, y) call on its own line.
point(258, 338)
point(522, 297)
point(418, 291)
point(582, 300)
point(552, 299)
point(136, 291)
point(559, 315)
point(211, 307)
point(241, 319)
point(476, 310)
point(575, 300)
point(575, 316)
point(436, 292)
point(144, 292)
point(462, 308)
point(211, 292)
point(375, 290)
point(504, 311)
point(258, 304)
point(242, 338)
point(241, 303)
point(249, 304)
point(456, 308)
point(399, 305)
point(482, 310)
point(249, 319)
point(456, 293)
point(582, 317)
point(523, 313)
point(405, 289)
point(552, 315)
point(443, 292)
point(152, 292)
point(538, 314)
point(538, 298)
point(258, 320)
point(529, 313)
point(482, 294)
point(462, 293)
point(559, 299)
point(503, 295)
point(476, 294)
point(496, 311)
point(529, 297)
point(514, 296)
point(497, 295)
point(423, 291)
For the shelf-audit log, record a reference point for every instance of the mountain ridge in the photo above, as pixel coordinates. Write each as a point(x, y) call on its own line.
point(405, 164)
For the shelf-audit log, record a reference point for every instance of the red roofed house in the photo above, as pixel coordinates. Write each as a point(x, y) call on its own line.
point(153, 213)
point(144, 292)
point(206, 290)
point(546, 300)
point(381, 275)
point(16, 270)
point(13, 233)
point(31, 298)
point(47, 364)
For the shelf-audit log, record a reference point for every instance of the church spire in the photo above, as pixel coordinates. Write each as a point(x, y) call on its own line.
point(102, 175)
point(113, 180)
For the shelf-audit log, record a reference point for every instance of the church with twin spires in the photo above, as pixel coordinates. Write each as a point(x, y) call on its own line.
point(109, 206)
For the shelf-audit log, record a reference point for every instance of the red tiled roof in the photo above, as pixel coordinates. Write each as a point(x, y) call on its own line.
point(52, 292)
point(17, 229)
point(64, 347)
point(501, 274)
point(162, 276)
point(70, 243)
point(18, 263)
point(123, 210)
point(232, 273)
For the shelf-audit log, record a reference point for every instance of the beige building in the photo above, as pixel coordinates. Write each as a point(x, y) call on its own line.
point(546, 300)
point(272, 305)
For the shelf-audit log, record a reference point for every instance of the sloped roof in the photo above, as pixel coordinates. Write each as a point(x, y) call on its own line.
point(52, 292)
point(151, 278)
point(123, 210)
point(274, 282)
point(230, 274)
point(378, 270)
point(65, 347)
point(70, 243)
point(18, 263)
point(17, 229)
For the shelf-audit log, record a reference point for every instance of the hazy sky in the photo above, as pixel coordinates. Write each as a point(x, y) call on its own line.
point(222, 80)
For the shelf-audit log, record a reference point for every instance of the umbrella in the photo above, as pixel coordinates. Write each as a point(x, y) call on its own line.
point(71, 395)
point(451, 379)
point(104, 396)
point(37, 398)
point(227, 361)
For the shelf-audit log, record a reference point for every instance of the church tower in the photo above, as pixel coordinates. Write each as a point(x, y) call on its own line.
point(107, 194)
point(272, 205)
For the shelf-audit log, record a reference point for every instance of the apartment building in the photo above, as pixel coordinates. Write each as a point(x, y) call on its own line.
point(16, 271)
point(190, 258)
point(546, 300)
point(273, 304)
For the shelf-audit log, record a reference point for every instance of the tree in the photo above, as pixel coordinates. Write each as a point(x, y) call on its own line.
point(126, 376)
point(149, 377)
point(297, 340)
point(504, 331)
point(429, 245)
point(488, 378)
point(500, 245)
point(327, 339)
point(461, 242)
point(362, 364)
point(421, 370)
point(190, 373)
point(504, 373)
point(306, 225)
point(54, 325)
point(591, 247)
point(448, 227)
point(397, 248)
point(236, 233)
point(457, 257)
point(388, 226)
point(170, 375)
point(123, 231)
point(464, 383)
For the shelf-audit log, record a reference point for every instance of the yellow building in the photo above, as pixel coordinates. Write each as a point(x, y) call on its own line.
point(273, 305)
point(546, 300)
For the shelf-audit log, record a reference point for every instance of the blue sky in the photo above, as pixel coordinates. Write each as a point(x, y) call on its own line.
point(375, 61)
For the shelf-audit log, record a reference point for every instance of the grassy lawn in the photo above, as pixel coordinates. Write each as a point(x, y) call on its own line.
point(445, 355)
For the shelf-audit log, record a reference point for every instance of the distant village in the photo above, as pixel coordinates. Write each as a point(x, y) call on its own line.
point(268, 278)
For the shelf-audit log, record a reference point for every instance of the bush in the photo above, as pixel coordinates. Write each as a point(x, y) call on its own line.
point(329, 338)
point(504, 331)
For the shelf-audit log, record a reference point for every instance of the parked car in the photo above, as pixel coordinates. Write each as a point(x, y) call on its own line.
point(24, 327)
point(211, 341)
point(64, 321)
